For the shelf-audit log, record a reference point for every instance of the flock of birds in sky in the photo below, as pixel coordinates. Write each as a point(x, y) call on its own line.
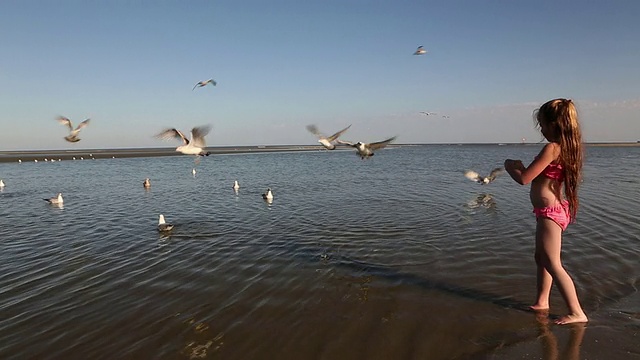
point(196, 145)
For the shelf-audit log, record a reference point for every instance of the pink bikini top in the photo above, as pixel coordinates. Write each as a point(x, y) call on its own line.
point(554, 171)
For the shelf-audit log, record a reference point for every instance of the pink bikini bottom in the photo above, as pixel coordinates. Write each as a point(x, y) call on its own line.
point(559, 213)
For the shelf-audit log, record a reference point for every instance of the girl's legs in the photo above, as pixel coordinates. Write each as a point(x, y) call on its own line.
point(544, 282)
point(548, 246)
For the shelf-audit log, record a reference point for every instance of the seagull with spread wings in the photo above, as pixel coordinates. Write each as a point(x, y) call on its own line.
point(365, 150)
point(327, 141)
point(195, 146)
point(73, 133)
point(204, 83)
point(484, 180)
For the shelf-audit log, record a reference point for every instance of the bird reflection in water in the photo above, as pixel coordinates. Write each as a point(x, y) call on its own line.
point(482, 200)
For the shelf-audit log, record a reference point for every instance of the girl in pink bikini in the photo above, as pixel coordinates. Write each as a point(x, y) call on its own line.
point(558, 163)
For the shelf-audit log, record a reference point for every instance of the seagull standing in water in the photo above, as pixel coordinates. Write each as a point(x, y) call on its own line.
point(195, 146)
point(365, 150)
point(327, 141)
point(420, 51)
point(58, 200)
point(472, 175)
point(164, 226)
point(1, 184)
point(236, 185)
point(73, 133)
point(146, 183)
point(268, 196)
point(204, 83)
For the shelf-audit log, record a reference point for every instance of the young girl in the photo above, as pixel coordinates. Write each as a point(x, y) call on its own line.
point(559, 162)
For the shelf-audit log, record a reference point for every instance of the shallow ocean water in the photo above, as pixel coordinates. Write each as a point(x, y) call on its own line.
point(395, 257)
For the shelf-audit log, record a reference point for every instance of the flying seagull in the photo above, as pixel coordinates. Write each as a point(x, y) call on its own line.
point(472, 175)
point(58, 200)
point(365, 150)
point(426, 113)
point(195, 146)
point(204, 83)
point(163, 226)
point(420, 51)
point(327, 141)
point(73, 133)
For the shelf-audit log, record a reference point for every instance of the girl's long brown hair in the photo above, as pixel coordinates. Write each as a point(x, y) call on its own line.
point(562, 118)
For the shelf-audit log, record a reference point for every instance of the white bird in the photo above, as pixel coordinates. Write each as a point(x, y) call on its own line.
point(420, 51)
point(1, 183)
point(146, 183)
point(204, 83)
point(193, 171)
point(268, 195)
point(19, 161)
point(58, 200)
point(327, 141)
point(164, 226)
point(365, 150)
point(195, 146)
point(472, 175)
point(73, 133)
point(427, 113)
point(236, 185)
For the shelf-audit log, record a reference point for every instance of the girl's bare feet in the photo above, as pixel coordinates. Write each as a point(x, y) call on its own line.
point(539, 307)
point(571, 319)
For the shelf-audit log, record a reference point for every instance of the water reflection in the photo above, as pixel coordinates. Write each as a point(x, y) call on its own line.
point(550, 347)
point(482, 200)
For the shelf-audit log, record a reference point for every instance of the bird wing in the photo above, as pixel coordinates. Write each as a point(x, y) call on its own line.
point(336, 135)
point(195, 86)
point(472, 175)
point(345, 143)
point(381, 144)
point(198, 134)
point(173, 133)
point(65, 121)
point(213, 82)
point(83, 124)
point(314, 130)
point(494, 173)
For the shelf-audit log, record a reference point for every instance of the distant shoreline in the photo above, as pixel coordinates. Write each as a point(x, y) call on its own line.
point(70, 154)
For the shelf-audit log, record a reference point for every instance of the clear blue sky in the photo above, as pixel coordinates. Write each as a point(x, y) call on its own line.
point(280, 65)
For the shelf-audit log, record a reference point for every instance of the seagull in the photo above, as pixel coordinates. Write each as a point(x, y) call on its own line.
point(204, 83)
point(236, 185)
point(365, 150)
point(146, 183)
point(268, 196)
point(420, 51)
point(73, 133)
point(58, 200)
point(1, 184)
point(426, 113)
point(193, 171)
point(329, 141)
point(195, 146)
point(163, 226)
point(472, 175)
